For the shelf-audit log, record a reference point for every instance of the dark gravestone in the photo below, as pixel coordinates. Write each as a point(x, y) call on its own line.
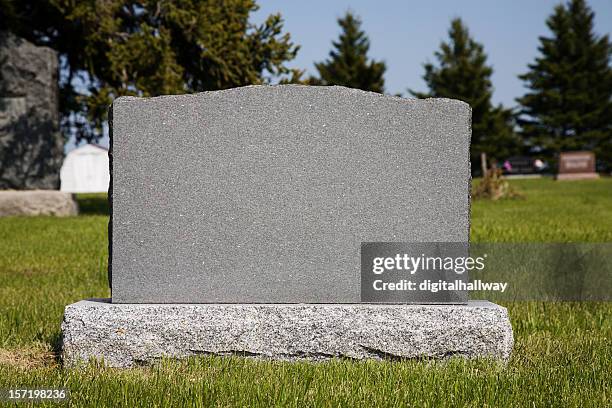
point(31, 146)
point(521, 165)
point(577, 166)
point(265, 194)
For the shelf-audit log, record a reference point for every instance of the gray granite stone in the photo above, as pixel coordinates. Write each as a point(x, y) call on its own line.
point(37, 202)
point(125, 335)
point(264, 194)
point(31, 146)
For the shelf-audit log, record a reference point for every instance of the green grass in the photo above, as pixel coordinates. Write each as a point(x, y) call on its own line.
point(550, 211)
point(562, 354)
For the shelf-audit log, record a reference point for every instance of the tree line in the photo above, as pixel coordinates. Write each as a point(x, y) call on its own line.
point(151, 47)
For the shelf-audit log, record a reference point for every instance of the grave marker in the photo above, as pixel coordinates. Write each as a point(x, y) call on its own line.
point(240, 220)
point(577, 166)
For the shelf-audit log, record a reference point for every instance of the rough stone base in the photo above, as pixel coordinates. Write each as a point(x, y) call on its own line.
point(37, 202)
point(577, 176)
point(124, 335)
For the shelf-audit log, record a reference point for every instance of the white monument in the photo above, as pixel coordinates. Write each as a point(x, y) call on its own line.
point(85, 170)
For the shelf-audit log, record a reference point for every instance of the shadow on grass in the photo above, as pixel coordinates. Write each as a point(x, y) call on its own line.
point(93, 204)
point(57, 343)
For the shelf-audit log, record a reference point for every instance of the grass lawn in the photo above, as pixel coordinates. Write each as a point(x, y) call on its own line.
point(562, 354)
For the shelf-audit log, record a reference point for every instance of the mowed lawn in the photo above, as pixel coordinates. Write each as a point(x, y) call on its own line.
point(562, 354)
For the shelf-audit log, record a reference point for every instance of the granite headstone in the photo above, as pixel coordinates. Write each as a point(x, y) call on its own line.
point(31, 146)
point(264, 194)
point(240, 219)
point(520, 165)
point(577, 166)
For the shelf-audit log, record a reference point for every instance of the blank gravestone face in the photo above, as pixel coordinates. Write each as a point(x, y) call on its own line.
point(264, 194)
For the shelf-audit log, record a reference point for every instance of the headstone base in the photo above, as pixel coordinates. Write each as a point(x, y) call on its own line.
point(577, 176)
point(125, 335)
point(37, 202)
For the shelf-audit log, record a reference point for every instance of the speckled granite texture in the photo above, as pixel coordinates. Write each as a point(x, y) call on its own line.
point(125, 335)
point(264, 194)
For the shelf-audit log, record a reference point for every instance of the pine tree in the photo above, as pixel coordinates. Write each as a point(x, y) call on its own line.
point(348, 63)
point(462, 73)
point(569, 106)
point(148, 48)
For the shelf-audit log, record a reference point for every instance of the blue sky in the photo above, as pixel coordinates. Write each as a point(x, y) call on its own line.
point(405, 34)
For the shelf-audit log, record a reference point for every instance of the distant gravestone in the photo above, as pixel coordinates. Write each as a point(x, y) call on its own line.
point(247, 221)
point(521, 165)
point(37, 202)
point(577, 166)
point(31, 146)
point(86, 170)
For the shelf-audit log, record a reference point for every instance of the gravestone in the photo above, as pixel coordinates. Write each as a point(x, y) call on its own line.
point(521, 165)
point(244, 222)
point(266, 194)
point(577, 166)
point(37, 202)
point(31, 146)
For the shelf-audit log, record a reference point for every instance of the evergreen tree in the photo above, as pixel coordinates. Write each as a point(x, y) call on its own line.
point(148, 48)
point(569, 105)
point(462, 73)
point(348, 63)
